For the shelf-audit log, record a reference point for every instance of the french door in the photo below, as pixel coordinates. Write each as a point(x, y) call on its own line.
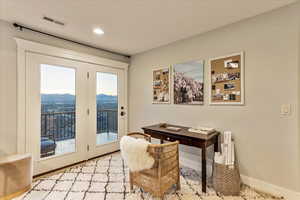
point(107, 114)
point(74, 110)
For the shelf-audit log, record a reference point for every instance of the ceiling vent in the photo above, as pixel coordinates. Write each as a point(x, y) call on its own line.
point(53, 21)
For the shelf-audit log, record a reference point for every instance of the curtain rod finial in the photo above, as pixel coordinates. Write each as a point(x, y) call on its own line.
point(18, 26)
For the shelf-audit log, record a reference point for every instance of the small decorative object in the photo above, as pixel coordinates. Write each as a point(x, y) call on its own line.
point(173, 128)
point(227, 80)
point(202, 130)
point(188, 82)
point(161, 85)
point(163, 125)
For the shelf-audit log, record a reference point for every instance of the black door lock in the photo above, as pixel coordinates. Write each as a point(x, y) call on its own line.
point(122, 113)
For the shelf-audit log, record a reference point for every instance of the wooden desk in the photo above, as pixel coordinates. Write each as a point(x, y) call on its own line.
point(187, 138)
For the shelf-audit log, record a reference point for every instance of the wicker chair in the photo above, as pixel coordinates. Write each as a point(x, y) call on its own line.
point(165, 171)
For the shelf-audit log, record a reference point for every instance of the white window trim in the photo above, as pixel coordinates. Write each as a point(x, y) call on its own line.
point(24, 46)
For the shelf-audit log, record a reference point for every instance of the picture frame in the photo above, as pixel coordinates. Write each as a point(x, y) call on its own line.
point(161, 85)
point(188, 82)
point(226, 79)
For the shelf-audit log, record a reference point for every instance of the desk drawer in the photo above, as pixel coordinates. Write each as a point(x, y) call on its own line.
point(172, 138)
point(186, 141)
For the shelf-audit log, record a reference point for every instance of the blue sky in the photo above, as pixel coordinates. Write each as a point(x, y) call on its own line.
point(192, 69)
point(107, 83)
point(61, 80)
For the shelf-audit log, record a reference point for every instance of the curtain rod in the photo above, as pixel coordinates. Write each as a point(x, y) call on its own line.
point(21, 27)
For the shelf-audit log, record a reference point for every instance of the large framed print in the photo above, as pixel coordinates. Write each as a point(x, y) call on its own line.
point(188, 83)
point(226, 80)
point(161, 85)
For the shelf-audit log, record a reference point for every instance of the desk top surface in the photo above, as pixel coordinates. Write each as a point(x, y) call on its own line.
point(183, 132)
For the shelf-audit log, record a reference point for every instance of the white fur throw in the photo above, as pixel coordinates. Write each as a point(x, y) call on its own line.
point(134, 152)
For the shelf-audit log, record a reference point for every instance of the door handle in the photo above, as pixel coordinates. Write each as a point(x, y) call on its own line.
point(123, 113)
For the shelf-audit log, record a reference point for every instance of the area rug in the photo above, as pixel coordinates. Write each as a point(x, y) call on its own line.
point(106, 178)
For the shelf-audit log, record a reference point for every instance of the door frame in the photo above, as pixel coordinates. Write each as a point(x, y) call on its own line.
point(25, 46)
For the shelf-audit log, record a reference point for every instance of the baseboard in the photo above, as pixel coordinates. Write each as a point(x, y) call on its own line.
point(194, 161)
point(270, 188)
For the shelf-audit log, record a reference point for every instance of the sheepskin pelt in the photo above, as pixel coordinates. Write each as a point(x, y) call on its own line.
point(134, 153)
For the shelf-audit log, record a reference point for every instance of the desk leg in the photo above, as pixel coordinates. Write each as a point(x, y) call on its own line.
point(203, 169)
point(216, 145)
point(161, 141)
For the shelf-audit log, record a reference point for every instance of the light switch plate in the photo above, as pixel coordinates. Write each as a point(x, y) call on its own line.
point(285, 109)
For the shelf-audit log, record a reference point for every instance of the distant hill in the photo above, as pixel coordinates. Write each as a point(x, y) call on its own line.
point(69, 98)
point(106, 98)
point(58, 98)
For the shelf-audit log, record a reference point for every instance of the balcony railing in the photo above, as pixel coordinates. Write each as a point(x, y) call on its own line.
point(107, 121)
point(62, 125)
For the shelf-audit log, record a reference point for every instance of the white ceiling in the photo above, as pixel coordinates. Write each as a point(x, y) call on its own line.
point(133, 26)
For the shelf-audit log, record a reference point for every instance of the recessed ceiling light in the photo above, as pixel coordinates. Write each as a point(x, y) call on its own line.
point(98, 31)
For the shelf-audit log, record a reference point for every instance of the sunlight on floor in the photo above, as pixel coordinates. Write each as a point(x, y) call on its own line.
point(68, 146)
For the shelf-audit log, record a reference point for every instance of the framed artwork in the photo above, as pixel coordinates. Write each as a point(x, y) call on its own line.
point(227, 80)
point(188, 83)
point(161, 85)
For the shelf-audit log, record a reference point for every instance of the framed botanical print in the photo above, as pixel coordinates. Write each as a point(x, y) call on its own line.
point(188, 83)
point(227, 80)
point(161, 85)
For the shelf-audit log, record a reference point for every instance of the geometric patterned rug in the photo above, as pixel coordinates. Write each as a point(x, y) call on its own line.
point(106, 178)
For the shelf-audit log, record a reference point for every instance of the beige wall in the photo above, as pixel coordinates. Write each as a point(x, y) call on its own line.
point(8, 74)
point(267, 143)
point(298, 97)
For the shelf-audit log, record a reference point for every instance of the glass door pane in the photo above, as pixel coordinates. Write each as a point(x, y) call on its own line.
point(58, 100)
point(107, 108)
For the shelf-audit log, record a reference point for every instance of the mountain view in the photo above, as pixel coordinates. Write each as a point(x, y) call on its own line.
point(66, 102)
point(69, 98)
point(58, 115)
